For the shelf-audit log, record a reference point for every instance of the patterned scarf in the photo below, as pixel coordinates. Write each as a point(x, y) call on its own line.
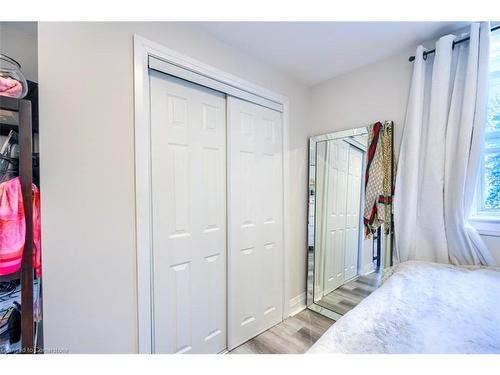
point(378, 179)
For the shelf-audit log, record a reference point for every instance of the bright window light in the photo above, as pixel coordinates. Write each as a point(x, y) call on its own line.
point(488, 199)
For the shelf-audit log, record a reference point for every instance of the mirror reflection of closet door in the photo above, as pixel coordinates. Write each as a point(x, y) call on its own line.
point(336, 204)
point(353, 209)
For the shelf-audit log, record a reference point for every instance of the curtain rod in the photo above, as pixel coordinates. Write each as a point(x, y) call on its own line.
point(412, 58)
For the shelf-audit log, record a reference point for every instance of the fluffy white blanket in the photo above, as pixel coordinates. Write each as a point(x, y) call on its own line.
point(423, 308)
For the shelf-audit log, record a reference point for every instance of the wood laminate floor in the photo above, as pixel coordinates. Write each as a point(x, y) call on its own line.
point(346, 297)
point(293, 336)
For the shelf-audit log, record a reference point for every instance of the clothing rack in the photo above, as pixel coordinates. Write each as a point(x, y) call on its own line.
point(426, 53)
point(24, 109)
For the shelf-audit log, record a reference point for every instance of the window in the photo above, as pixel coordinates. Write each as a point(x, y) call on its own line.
point(490, 199)
point(488, 193)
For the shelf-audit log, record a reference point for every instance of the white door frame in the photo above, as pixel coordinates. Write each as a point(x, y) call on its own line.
point(143, 49)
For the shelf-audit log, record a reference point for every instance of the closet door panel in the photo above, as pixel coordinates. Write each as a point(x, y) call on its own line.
point(188, 205)
point(255, 220)
point(336, 185)
point(353, 212)
point(243, 229)
point(271, 221)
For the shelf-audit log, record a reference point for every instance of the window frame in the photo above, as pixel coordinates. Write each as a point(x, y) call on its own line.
point(486, 221)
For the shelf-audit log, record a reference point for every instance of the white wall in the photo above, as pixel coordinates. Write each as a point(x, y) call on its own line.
point(372, 93)
point(87, 174)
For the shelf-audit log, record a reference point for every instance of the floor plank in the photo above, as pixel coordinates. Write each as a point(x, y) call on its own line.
point(349, 295)
point(294, 335)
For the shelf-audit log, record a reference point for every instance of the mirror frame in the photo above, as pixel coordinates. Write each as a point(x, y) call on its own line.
point(311, 214)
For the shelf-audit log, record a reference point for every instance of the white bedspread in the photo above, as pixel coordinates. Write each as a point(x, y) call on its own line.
point(423, 308)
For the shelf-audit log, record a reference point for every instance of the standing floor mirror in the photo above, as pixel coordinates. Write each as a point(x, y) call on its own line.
point(350, 237)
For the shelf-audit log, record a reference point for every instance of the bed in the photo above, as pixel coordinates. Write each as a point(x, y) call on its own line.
point(423, 308)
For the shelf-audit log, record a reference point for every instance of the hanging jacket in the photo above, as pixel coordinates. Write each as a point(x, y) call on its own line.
point(13, 227)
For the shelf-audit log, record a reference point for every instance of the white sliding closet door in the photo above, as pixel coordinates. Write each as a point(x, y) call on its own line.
point(336, 187)
point(255, 220)
point(353, 212)
point(188, 165)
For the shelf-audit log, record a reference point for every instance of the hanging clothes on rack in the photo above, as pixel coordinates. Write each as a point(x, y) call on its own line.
point(20, 235)
point(378, 179)
point(13, 227)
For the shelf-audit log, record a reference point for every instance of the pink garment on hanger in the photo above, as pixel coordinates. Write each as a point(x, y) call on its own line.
point(10, 87)
point(13, 227)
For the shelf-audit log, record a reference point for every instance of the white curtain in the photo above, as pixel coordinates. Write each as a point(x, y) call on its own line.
point(440, 153)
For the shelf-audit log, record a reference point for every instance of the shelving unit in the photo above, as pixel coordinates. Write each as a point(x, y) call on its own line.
point(23, 107)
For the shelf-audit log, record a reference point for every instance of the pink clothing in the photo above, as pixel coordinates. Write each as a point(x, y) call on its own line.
point(13, 227)
point(10, 87)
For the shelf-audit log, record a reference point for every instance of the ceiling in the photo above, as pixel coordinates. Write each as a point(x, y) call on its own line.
point(312, 52)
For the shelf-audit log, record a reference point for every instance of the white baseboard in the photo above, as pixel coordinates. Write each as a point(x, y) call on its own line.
point(297, 304)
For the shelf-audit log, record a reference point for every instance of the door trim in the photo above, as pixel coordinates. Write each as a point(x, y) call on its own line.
point(143, 50)
point(195, 77)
